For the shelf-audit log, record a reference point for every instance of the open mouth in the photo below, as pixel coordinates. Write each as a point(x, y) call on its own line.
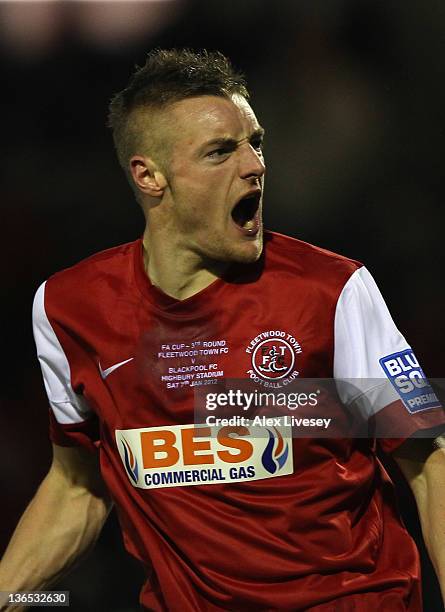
point(245, 211)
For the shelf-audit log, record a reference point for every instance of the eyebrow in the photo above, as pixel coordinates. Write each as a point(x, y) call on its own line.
point(231, 142)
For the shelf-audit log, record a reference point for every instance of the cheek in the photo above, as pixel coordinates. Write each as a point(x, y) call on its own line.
point(203, 198)
point(192, 207)
point(200, 196)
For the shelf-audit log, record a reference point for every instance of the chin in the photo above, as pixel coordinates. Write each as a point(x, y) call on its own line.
point(246, 258)
point(249, 252)
point(240, 251)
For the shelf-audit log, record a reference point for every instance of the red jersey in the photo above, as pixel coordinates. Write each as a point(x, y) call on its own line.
point(220, 519)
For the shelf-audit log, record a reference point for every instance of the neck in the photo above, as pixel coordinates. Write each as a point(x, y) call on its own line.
point(177, 271)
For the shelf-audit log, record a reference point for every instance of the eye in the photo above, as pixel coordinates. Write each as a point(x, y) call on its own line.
point(218, 153)
point(257, 144)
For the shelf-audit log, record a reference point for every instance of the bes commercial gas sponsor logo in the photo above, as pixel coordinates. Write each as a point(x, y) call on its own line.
point(273, 356)
point(186, 455)
point(408, 379)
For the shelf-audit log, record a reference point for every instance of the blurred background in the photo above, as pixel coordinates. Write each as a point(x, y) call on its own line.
point(352, 96)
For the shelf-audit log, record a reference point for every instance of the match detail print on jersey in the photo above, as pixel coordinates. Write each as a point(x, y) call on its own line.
point(186, 455)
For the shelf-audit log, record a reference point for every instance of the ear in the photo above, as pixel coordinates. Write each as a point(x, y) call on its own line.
point(147, 176)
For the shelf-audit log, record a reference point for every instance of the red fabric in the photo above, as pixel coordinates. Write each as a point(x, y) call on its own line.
point(325, 538)
point(85, 433)
point(392, 420)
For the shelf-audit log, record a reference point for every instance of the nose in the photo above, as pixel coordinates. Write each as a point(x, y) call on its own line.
point(251, 162)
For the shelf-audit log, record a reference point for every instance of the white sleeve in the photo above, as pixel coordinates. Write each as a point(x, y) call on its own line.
point(364, 333)
point(68, 406)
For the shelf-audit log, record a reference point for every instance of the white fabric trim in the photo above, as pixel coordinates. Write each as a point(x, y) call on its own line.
point(68, 406)
point(364, 333)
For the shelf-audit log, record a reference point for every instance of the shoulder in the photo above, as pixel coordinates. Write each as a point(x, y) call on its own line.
point(100, 276)
point(110, 262)
point(316, 264)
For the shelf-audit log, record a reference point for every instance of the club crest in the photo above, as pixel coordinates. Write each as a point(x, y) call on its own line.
point(274, 357)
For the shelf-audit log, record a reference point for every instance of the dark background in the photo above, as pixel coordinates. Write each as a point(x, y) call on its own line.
point(352, 96)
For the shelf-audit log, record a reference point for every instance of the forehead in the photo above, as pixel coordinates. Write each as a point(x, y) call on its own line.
point(196, 120)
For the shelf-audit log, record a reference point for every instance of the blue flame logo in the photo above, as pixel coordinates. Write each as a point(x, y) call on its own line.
point(131, 465)
point(275, 453)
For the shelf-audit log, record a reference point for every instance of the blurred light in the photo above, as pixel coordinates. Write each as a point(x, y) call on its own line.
point(32, 28)
point(122, 22)
point(123, 2)
point(29, 29)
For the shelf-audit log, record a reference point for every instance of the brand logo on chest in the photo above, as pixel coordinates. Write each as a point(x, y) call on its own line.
point(273, 356)
point(185, 455)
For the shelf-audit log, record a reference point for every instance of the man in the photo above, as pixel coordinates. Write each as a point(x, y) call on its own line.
point(222, 520)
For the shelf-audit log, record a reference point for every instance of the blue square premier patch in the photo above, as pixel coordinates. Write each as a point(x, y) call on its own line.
point(408, 379)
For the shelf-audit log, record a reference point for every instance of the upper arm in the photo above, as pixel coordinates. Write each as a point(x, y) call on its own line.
point(72, 422)
point(379, 374)
point(68, 406)
point(364, 333)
